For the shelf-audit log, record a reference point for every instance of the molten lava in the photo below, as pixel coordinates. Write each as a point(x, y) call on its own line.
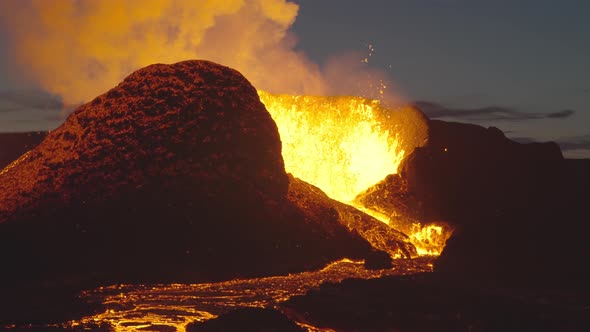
point(429, 239)
point(169, 307)
point(344, 145)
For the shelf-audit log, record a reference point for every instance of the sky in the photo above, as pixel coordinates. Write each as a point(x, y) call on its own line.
point(518, 65)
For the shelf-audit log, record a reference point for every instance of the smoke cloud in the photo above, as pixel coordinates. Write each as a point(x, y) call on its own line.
point(80, 48)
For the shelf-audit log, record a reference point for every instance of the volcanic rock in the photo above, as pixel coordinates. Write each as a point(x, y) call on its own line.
point(387, 196)
point(176, 174)
point(13, 145)
point(188, 119)
point(327, 212)
point(465, 169)
point(518, 209)
point(438, 181)
point(251, 319)
point(515, 206)
point(378, 260)
point(391, 198)
point(421, 302)
point(538, 241)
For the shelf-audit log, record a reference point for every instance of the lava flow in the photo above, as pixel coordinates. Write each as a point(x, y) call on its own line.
point(171, 306)
point(344, 145)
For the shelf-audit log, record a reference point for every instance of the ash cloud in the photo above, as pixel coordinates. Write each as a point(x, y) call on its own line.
point(489, 113)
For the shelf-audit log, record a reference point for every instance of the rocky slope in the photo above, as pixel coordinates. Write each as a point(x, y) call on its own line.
point(321, 209)
point(517, 208)
point(13, 145)
point(175, 174)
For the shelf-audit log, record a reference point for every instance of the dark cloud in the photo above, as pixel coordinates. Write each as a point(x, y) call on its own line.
point(16, 100)
point(565, 143)
point(489, 113)
point(560, 114)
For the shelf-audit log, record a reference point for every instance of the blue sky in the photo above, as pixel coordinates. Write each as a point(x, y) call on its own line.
point(518, 65)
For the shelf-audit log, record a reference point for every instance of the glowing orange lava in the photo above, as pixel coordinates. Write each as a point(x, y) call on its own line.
point(170, 307)
point(429, 239)
point(344, 145)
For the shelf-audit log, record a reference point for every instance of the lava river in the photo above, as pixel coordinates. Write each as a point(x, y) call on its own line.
point(168, 307)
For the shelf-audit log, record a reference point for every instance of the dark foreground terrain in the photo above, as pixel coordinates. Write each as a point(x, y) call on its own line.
point(440, 301)
point(422, 303)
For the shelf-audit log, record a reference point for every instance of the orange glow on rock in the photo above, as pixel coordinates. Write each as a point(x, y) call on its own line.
point(429, 239)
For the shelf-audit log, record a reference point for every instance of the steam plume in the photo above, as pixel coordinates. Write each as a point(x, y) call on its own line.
point(80, 48)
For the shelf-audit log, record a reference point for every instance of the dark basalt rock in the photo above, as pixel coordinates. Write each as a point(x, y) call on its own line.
point(43, 307)
point(13, 145)
point(176, 174)
point(391, 198)
point(467, 169)
point(539, 244)
point(328, 212)
point(460, 172)
point(247, 319)
point(421, 302)
point(517, 209)
point(388, 196)
point(378, 260)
